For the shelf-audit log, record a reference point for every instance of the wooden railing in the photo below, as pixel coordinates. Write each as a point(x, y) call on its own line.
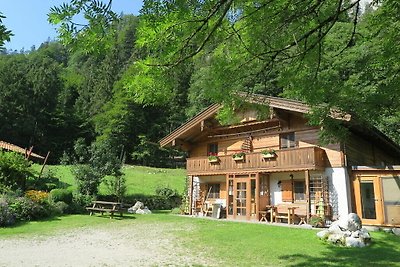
point(288, 159)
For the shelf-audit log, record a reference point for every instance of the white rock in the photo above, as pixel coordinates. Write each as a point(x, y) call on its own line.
point(354, 242)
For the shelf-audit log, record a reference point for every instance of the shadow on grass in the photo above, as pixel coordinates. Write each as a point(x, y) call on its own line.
point(382, 252)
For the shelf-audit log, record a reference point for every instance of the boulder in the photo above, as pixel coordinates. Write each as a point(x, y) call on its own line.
point(134, 208)
point(396, 231)
point(347, 231)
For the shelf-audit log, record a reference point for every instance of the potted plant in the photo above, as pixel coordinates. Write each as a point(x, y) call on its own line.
point(268, 153)
point(317, 221)
point(213, 157)
point(238, 156)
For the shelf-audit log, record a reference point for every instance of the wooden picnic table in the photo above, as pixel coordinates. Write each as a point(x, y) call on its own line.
point(106, 206)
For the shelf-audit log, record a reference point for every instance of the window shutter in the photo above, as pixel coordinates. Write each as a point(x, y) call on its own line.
point(287, 190)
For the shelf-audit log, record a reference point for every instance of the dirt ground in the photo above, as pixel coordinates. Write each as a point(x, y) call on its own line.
point(139, 245)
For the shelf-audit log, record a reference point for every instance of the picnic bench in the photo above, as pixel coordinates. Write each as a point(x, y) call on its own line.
point(290, 212)
point(106, 207)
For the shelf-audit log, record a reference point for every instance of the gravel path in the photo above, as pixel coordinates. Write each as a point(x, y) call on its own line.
point(139, 245)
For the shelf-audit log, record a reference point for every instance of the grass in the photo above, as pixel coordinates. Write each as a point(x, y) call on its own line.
point(139, 180)
point(236, 243)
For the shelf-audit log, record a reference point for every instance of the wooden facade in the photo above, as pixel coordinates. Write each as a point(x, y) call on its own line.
point(295, 174)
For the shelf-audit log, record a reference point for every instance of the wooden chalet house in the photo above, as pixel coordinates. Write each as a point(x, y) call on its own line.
point(254, 165)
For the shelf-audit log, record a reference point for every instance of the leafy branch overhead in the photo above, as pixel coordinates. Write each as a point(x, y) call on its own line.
point(330, 54)
point(85, 23)
point(5, 34)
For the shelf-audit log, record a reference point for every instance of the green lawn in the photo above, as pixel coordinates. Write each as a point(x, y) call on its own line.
point(139, 180)
point(235, 243)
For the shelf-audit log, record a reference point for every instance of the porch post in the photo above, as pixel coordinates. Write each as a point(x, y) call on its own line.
point(190, 191)
point(307, 177)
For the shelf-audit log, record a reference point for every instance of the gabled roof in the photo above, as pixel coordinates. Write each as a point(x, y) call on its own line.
point(275, 102)
point(186, 129)
point(11, 147)
point(187, 126)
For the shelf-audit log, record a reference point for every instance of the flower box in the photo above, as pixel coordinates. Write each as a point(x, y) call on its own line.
point(213, 159)
point(268, 154)
point(238, 156)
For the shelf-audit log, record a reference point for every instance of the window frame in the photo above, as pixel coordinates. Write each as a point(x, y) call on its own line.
point(287, 140)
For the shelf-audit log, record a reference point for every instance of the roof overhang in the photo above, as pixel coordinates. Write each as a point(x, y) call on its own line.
point(186, 129)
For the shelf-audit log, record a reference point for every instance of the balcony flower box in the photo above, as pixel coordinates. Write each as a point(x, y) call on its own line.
point(213, 158)
point(238, 156)
point(268, 154)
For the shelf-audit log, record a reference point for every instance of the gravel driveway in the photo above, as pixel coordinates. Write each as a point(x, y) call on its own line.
point(136, 245)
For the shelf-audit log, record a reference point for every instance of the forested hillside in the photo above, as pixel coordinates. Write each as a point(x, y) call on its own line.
point(131, 80)
point(54, 98)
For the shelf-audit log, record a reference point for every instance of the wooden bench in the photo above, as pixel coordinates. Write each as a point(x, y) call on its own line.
point(290, 212)
point(106, 207)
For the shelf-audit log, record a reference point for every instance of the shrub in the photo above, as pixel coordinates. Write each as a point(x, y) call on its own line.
point(7, 217)
point(46, 182)
point(63, 195)
point(79, 202)
point(61, 207)
point(14, 170)
point(25, 209)
point(88, 179)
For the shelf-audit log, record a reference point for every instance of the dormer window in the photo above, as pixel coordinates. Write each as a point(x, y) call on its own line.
point(287, 140)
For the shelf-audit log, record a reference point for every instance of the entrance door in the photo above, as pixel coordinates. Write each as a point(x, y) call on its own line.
point(242, 197)
point(369, 199)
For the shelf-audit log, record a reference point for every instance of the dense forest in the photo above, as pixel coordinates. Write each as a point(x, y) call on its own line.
point(132, 79)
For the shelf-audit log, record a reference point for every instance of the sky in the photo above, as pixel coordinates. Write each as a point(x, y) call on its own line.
point(27, 19)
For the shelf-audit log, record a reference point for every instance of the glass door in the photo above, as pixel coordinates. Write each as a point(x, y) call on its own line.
point(241, 199)
point(369, 198)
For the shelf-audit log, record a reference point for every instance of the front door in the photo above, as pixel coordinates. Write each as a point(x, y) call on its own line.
point(241, 209)
point(369, 199)
point(242, 197)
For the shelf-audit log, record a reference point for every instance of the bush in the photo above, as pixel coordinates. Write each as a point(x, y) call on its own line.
point(46, 182)
point(25, 209)
point(14, 170)
point(88, 179)
point(63, 195)
point(7, 217)
point(61, 207)
point(79, 202)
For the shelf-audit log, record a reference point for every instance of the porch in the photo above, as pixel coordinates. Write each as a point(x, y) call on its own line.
point(287, 196)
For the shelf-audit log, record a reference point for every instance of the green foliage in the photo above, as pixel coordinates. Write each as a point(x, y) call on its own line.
point(64, 195)
point(116, 186)
point(88, 179)
point(14, 171)
point(7, 217)
point(5, 34)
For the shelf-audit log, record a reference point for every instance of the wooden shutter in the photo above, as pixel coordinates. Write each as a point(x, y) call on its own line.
point(287, 190)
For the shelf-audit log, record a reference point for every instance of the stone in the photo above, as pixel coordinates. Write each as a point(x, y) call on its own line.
point(323, 234)
point(134, 208)
point(354, 242)
point(396, 231)
point(347, 231)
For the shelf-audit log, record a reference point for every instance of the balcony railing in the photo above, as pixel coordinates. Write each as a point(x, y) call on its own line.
point(285, 160)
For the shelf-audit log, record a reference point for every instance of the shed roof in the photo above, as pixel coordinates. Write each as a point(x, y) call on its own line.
point(15, 148)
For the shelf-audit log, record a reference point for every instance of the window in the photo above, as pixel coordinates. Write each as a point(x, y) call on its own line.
point(288, 140)
point(212, 149)
point(293, 191)
point(214, 190)
point(299, 190)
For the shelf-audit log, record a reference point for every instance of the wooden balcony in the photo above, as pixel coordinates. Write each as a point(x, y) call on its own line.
point(307, 158)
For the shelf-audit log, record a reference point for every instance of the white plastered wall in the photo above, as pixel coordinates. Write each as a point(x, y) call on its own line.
point(339, 191)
